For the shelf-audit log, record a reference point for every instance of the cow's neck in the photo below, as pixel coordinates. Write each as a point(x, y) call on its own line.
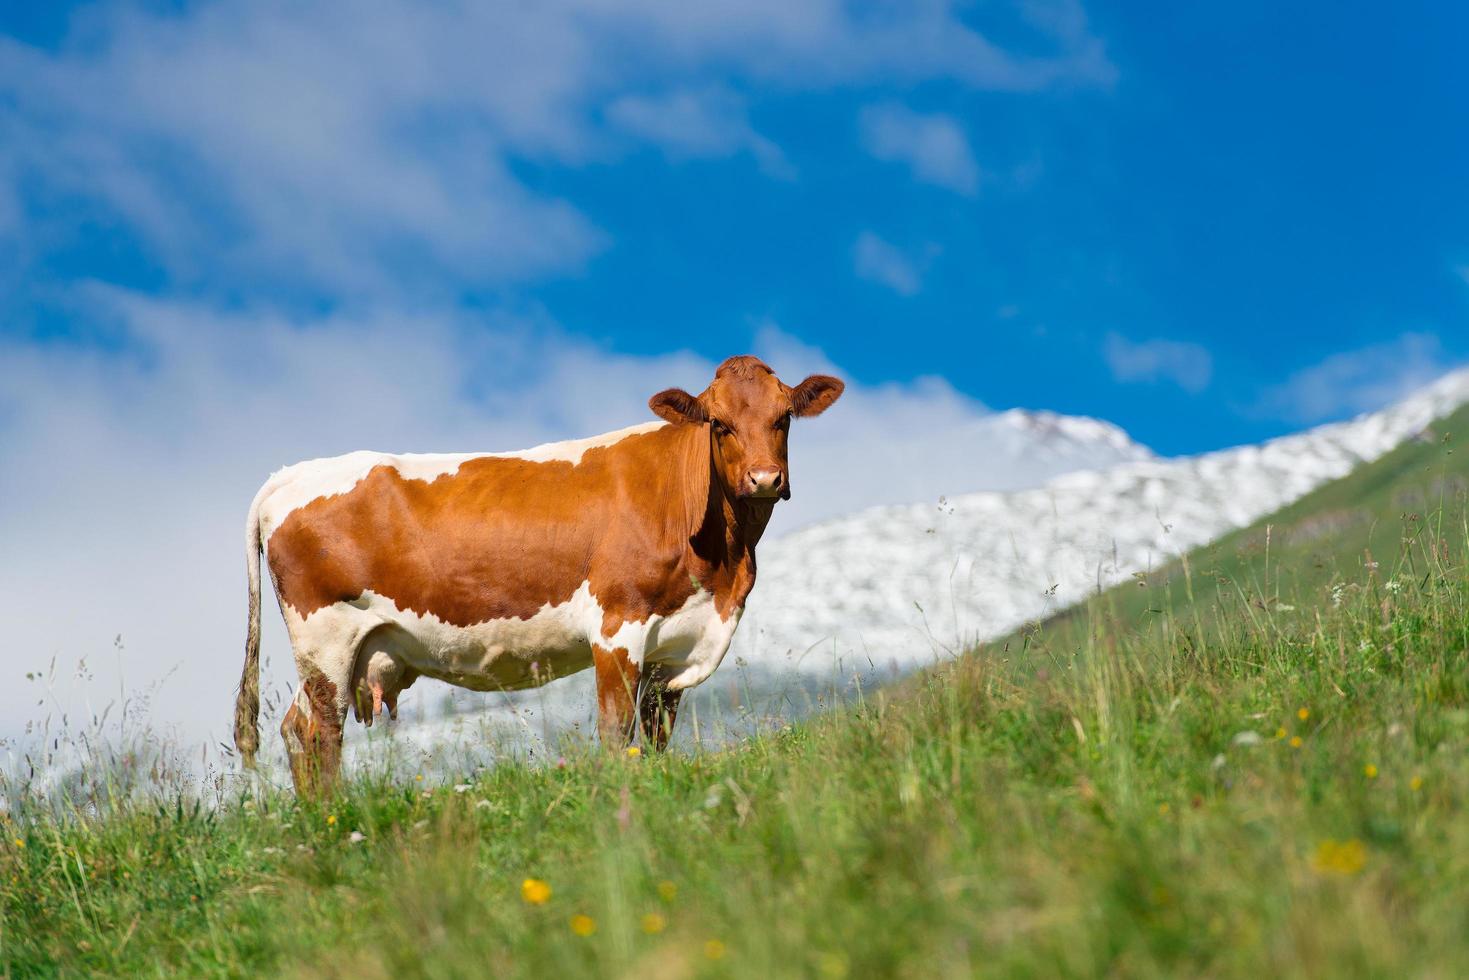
point(721, 555)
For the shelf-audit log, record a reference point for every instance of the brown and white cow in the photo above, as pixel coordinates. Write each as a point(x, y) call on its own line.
point(631, 552)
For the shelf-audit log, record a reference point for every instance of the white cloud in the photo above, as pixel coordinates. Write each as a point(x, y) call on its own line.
point(1187, 365)
point(693, 124)
point(933, 147)
point(313, 143)
point(126, 479)
point(884, 263)
point(828, 42)
point(1357, 381)
point(373, 151)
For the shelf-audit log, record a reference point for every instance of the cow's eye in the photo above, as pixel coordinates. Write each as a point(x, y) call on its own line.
point(720, 429)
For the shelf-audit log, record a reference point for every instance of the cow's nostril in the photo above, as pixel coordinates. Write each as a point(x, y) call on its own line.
point(764, 480)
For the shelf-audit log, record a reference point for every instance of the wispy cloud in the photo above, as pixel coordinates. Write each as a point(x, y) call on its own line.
point(1187, 365)
point(275, 143)
point(698, 123)
point(1357, 381)
point(882, 262)
point(933, 146)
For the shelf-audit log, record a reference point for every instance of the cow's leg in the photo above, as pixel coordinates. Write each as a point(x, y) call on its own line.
point(617, 695)
point(657, 708)
point(325, 649)
point(312, 730)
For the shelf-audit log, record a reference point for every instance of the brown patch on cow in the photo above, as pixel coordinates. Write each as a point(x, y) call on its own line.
point(314, 742)
point(322, 694)
point(617, 693)
point(504, 537)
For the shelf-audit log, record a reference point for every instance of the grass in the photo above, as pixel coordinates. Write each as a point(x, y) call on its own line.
point(1251, 762)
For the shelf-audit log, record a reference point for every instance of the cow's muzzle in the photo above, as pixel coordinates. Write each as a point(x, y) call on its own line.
point(766, 482)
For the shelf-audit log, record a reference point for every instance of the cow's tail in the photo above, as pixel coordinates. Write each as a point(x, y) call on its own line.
point(247, 704)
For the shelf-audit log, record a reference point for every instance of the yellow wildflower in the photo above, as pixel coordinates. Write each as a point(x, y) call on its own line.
point(667, 890)
point(653, 923)
point(1295, 741)
point(1416, 783)
point(583, 925)
point(1370, 771)
point(833, 965)
point(714, 949)
point(20, 843)
point(1339, 857)
point(633, 751)
point(1280, 733)
point(1163, 808)
point(331, 819)
point(1303, 714)
point(535, 891)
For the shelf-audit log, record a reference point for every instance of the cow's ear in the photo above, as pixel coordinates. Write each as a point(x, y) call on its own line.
point(816, 394)
point(676, 405)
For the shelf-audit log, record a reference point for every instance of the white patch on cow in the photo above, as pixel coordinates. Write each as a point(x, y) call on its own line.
point(511, 653)
point(691, 642)
point(572, 450)
point(297, 485)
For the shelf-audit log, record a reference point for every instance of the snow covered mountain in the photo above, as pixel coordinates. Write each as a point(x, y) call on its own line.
point(960, 452)
point(900, 586)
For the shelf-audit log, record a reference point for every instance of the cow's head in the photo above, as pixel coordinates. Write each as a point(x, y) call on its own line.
point(748, 411)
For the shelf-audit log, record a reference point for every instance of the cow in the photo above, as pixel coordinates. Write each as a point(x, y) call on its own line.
point(631, 553)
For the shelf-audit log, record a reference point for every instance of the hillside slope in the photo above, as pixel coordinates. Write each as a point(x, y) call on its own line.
point(1249, 762)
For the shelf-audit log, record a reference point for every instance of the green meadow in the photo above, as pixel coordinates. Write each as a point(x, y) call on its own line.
point(1251, 762)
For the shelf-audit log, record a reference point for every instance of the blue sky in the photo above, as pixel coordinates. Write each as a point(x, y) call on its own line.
point(1207, 225)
